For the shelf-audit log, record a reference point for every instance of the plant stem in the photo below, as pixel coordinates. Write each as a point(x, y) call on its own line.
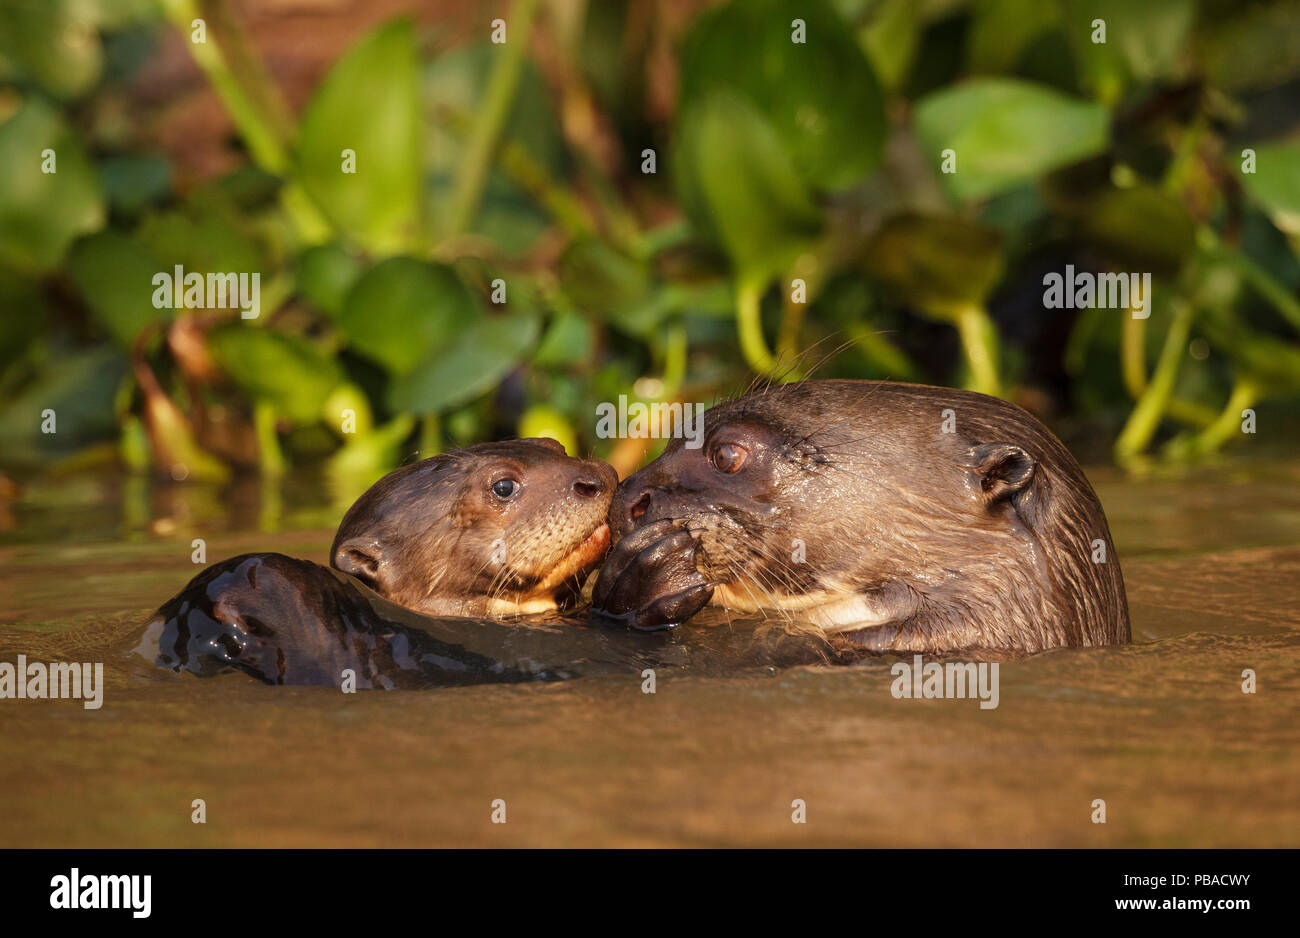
point(1151, 405)
point(979, 340)
point(430, 436)
point(749, 324)
point(476, 161)
point(1244, 395)
point(883, 353)
point(1132, 354)
point(674, 359)
point(1134, 368)
point(258, 131)
point(517, 163)
point(269, 455)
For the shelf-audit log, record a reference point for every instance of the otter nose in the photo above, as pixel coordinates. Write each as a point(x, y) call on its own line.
point(589, 487)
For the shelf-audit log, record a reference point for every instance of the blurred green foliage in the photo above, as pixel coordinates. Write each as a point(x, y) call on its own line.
point(870, 188)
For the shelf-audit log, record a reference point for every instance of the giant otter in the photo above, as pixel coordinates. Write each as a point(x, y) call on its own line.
point(904, 517)
point(495, 529)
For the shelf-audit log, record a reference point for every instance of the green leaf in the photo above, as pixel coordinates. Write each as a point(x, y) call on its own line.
point(455, 82)
point(25, 313)
point(42, 213)
point(402, 309)
point(821, 95)
point(568, 341)
point(326, 273)
point(78, 386)
point(1001, 30)
point(114, 275)
point(599, 279)
point(737, 181)
point(1005, 132)
point(199, 241)
point(1144, 41)
point(283, 370)
point(53, 42)
point(1143, 227)
point(133, 183)
point(937, 264)
point(1275, 184)
point(368, 103)
point(480, 357)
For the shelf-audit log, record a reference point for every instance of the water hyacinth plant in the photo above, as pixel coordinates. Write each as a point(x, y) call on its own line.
point(462, 240)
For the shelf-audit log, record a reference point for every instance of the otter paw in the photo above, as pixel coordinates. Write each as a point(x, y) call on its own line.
point(649, 581)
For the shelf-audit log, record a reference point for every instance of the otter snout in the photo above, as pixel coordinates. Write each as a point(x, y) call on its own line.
point(594, 479)
point(638, 501)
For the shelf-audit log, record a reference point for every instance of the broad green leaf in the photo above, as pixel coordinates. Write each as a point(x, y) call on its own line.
point(114, 275)
point(53, 42)
point(42, 213)
point(820, 95)
point(24, 313)
point(1267, 30)
point(200, 242)
point(599, 279)
point(737, 181)
point(78, 387)
point(1001, 30)
point(1004, 132)
point(568, 341)
point(325, 274)
point(1144, 41)
point(1275, 184)
point(479, 358)
point(402, 309)
point(937, 264)
point(283, 370)
point(1143, 227)
point(367, 104)
point(132, 183)
point(890, 39)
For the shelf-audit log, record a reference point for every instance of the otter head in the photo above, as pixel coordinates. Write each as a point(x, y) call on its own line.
point(492, 529)
point(860, 507)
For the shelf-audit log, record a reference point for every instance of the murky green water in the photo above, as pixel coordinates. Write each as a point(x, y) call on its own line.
point(1160, 730)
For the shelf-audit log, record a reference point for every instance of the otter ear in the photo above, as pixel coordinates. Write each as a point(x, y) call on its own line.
point(547, 442)
point(1003, 469)
point(360, 557)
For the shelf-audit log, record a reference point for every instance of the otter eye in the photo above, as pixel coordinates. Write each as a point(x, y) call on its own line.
point(504, 488)
point(729, 458)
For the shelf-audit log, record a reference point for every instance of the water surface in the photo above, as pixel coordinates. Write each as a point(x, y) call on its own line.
point(1160, 729)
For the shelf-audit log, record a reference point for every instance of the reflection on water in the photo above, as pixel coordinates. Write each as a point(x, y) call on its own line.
point(1159, 730)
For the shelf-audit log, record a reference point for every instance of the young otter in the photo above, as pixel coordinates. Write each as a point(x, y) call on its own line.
point(489, 530)
point(495, 529)
point(910, 518)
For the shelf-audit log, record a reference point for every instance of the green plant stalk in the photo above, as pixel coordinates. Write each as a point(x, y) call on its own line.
point(257, 129)
point(667, 236)
point(1151, 405)
point(883, 353)
point(1227, 424)
point(674, 360)
point(749, 324)
point(1134, 368)
point(1132, 354)
point(476, 161)
point(517, 163)
point(270, 457)
point(430, 436)
point(979, 340)
point(1264, 284)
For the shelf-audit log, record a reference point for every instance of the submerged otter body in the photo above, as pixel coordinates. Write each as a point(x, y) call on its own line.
point(496, 529)
point(908, 518)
